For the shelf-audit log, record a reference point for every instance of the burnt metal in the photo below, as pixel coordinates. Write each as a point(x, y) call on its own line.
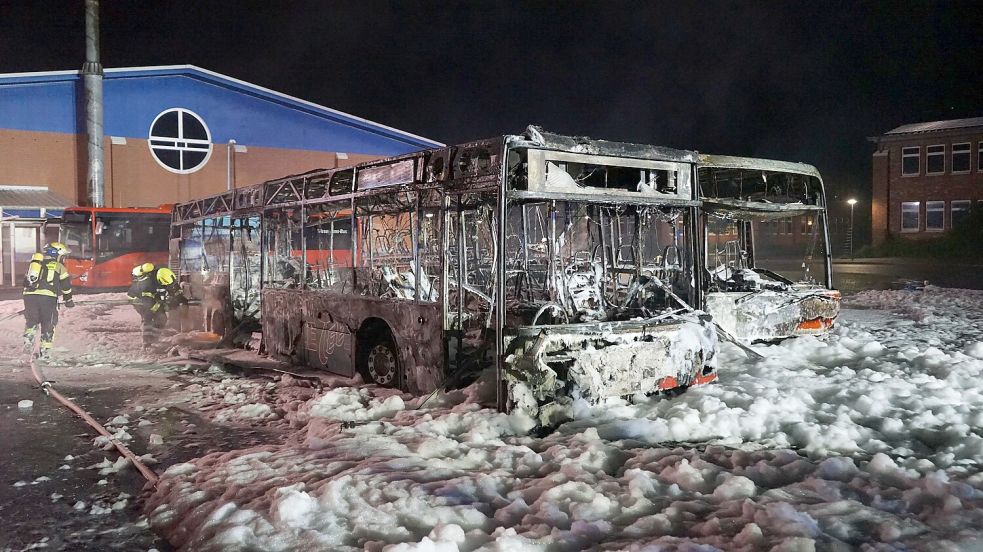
point(238, 201)
point(749, 300)
point(443, 256)
point(324, 330)
point(536, 136)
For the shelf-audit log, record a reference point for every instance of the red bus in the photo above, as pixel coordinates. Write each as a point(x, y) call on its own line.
point(106, 243)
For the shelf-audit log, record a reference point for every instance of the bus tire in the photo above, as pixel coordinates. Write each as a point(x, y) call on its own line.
point(378, 361)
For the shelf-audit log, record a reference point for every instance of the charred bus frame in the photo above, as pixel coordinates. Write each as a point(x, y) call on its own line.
point(554, 259)
point(214, 247)
point(758, 215)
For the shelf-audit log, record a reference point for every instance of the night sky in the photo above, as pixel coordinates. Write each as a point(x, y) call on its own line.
point(794, 81)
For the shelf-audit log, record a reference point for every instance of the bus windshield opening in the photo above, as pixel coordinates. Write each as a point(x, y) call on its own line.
point(775, 253)
point(571, 261)
point(76, 233)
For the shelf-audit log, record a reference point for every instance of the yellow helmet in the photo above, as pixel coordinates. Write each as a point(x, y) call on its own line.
point(165, 276)
point(140, 271)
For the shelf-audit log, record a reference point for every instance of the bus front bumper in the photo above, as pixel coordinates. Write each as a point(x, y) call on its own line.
point(548, 367)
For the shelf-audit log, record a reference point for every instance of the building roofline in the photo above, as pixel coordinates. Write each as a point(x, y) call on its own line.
point(38, 76)
point(930, 127)
point(221, 80)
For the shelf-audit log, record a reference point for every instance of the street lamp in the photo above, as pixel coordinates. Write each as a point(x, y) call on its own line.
point(852, 202)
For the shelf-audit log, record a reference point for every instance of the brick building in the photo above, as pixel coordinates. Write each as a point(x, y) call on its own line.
point(925, 178)
point(171, 134)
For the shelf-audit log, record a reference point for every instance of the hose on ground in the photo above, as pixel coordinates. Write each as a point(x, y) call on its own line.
point(46, 386)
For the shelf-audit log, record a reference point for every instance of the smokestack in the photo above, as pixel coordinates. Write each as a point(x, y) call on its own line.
point(92, 79)
point(231, 165)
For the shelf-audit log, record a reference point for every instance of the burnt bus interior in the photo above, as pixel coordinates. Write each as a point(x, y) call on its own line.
point(579, 261)
point(767, 261)
point(548, 257)
point(215, 250)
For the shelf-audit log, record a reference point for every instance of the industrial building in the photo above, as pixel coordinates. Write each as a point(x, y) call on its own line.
point(926, 177)
point(171, 134)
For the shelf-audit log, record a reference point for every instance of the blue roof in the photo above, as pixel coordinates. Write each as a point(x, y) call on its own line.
point(232, 109)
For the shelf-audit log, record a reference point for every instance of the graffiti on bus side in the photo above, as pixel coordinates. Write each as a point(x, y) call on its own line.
point(327, 342)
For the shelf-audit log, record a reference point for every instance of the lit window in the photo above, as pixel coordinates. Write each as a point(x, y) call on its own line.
point(179, 141)
point(909, 216)
point(960, 157)
point(960, 211)
point(935, 159)
point(909, 161)
point(934, 216)
point(805, 227)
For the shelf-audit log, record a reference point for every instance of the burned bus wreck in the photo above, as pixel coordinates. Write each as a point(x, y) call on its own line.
point(215, 250)
point(766, 253)
point(598, 273)
point(566, 264)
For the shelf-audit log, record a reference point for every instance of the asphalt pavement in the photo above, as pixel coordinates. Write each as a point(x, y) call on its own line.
point(48, 491)
point(885, 273)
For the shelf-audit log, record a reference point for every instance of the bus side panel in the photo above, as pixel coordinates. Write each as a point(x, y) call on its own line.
point(417, 331)
point(111, 273)
point(322, 257)
point(328, 341)
point(319, 329)
point(77, 268)
point(283, 322)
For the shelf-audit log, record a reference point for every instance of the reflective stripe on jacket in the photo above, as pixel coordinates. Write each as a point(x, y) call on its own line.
point(149, 289)
point(52, 280)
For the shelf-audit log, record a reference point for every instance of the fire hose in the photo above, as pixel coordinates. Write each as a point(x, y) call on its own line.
point(49, 390)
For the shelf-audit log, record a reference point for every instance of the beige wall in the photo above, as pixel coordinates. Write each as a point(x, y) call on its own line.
point(42, 159)
point(134, 179)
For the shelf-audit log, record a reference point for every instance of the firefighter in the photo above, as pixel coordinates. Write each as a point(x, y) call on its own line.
point(46, 279)
point(153, 292)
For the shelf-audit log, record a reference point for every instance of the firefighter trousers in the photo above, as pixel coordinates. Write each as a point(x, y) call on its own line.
point(41, 310)
point(152, 322)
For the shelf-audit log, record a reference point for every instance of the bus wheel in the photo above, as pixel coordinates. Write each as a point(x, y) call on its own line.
point(380, 363)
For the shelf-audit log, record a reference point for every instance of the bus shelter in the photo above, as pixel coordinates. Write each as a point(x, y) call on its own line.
point(28, 219)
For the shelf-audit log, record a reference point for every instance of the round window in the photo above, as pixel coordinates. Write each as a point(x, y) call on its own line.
point(180, 141)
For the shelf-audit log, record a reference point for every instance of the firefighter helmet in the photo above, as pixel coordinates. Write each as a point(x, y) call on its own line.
point(55, 250)
point(142, 270)
point(165, 276)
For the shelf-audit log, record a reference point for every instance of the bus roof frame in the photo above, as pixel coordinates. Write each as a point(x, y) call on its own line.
point(754, 163)
point(462, 172)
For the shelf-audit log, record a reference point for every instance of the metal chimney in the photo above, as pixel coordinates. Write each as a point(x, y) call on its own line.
point(92, 79)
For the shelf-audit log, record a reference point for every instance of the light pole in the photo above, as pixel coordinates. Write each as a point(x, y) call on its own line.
point(852, 202)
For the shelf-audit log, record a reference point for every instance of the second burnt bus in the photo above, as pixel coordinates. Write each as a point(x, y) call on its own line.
point(767, 262)
point(552, 258)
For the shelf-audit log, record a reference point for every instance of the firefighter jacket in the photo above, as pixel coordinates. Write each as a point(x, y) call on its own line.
point(148, 291)
point(47, 277)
